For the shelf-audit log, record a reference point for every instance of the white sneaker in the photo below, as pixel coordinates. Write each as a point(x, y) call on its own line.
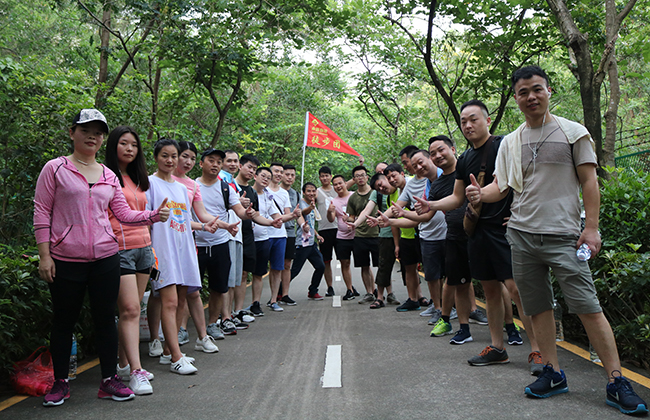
point(155, 348)
point(124, 373)
point(206, 345)
point(429, 311)
point(139, 383)
point(244, 316)
point(166, 359)
point(183, 367)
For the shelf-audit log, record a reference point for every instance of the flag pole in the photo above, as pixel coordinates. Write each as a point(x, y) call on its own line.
point(304, 148)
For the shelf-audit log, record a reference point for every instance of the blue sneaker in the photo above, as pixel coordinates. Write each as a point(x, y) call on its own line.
point(275, 307)
point(621, 395)
point(548, 383)
point(183, 336)
point(514, 338)
point(461, 337)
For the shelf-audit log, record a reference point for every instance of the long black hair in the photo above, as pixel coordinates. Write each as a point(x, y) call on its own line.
point(136, 170)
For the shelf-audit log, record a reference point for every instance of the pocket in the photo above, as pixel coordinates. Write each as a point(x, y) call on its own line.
point(66, 232)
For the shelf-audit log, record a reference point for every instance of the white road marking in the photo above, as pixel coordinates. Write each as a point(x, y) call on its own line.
point(337, 278)
point(336, 301)
point(332, 373)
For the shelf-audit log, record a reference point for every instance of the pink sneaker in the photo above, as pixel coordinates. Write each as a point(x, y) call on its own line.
point(315, 296)
point(58, 394)
point(115, 389)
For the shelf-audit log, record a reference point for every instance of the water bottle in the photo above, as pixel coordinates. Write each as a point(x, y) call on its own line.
point(593, 356)
point(557, 314)
point(584, 252)
point(72, 370)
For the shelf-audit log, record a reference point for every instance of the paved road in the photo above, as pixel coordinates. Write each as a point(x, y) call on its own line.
point(391, 369)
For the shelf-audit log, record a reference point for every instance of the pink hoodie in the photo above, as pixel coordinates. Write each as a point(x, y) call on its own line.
point(73, 217)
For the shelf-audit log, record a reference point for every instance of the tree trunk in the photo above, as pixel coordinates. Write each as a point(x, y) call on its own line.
point(154, 102)
point(104, 35)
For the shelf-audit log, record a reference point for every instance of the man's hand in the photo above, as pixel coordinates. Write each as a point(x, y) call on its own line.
point(590, 237)
point(212, 225)
point(383, 220)
point(245, 201)
point(396, 210)
point(233, 228)
point(277, 223)
point(372, 221)
point(296, 212)
point(250, 211)
point(305, 227)
point(473, 191)
point(320, 238)
point(163, 211)
point(421, 205)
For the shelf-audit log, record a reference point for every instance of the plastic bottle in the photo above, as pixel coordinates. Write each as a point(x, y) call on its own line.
point(584, 252)
point(72, 370)
point(593, 356)
point(557, 314)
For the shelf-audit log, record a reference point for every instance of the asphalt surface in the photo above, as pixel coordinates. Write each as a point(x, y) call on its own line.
point(391, 369)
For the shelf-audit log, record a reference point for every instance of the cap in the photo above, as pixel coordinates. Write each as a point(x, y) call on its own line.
point(211, 151)
point(89, 115)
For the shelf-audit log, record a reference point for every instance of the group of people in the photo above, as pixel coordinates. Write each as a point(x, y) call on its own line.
point(490, 214)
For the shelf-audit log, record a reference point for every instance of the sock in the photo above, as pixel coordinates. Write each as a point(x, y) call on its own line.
point(445, 318)
point(510, 327)
point(464, 327)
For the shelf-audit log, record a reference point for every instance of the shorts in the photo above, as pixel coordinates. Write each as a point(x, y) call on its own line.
point(249, 257)
point(276, 253)
point(290, 249)
point(216, 260)
point(262, 249)
point(139, 260)
point(533, 255)
point(489, 255)
point(433, 259)
point(236, 250)
point(363, 249)
point(409, 251)
point(329, 241)
point(386, 262)
point(344, 248)
point(457, 262)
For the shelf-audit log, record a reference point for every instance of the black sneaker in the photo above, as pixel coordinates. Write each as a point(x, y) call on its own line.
point(228, 327)
point(355, 291)
point(514, 338)
point(621, 395)
point(349, 295)
point(256, 309)
point(330, 292)
point(408, 305)
point(239, 324)
point(489, 356)
point(461, 337)
point(287, 301)
point(549, 383)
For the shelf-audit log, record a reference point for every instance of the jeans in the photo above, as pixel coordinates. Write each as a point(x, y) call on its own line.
point(314, 256)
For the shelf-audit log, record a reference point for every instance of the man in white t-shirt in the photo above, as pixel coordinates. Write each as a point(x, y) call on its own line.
point(324, 196)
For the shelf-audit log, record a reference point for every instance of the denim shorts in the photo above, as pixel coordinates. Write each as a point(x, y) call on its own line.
point(139, 260)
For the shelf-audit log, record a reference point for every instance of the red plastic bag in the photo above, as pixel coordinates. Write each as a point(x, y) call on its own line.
point(34, 375)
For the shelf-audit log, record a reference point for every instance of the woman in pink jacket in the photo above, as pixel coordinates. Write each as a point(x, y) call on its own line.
point(79, 252)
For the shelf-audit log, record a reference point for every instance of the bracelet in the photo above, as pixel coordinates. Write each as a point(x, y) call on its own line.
point(203, 226)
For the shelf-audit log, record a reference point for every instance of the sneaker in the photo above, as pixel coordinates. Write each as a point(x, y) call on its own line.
point(548, 383)
point(355, 292)
point(58, 394)
point(461, 337)
point(409, 305)
point(166, 359)
point(239, 324)
point(349, 295)
point(124, 373)
point(183, 336)
point(441, 328)
point(514, 338)
point(489, 356)
point(367, 298)
point(535, 362)
point(478, 317)
point(244, 316)
point(392, 300)
point(437, 314)
point(215, 332)
point(228, 327)
point(207, 345)
point(139, 383)
point(256, 309)
point(114, 389)
point(287, 301)
point(183, 367)
point(275, 307)
point(155, 348)
point(621, 395)
point(315, 296)
point(429, 311)
point(330, 292)
point(453, 314)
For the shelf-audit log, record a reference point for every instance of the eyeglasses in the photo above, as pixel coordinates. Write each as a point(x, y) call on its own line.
point(361, 176)
point(265, 177)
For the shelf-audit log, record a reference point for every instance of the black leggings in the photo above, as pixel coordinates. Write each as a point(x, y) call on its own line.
point(102, 280)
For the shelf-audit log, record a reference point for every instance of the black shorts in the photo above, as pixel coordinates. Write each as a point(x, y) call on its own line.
point(409, 251)
point(363, 249)
point(457, 262)
point(216, 260)
point(329, 241)
point(433, 259)
point(386, 262)
point(249, 256)
point(344, 249)
point(290, 250)
point(489, 255)
point(262, 254)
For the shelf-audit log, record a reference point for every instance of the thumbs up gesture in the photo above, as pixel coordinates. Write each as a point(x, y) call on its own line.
point(163, 211)
point(473, 191)
point(245, 201)
point(383, 220)
point(421, 205)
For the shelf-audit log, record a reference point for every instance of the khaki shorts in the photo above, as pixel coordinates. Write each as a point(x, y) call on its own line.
point(533, 256)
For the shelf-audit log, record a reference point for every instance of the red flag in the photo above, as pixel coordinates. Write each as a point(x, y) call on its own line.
point(319, 135)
